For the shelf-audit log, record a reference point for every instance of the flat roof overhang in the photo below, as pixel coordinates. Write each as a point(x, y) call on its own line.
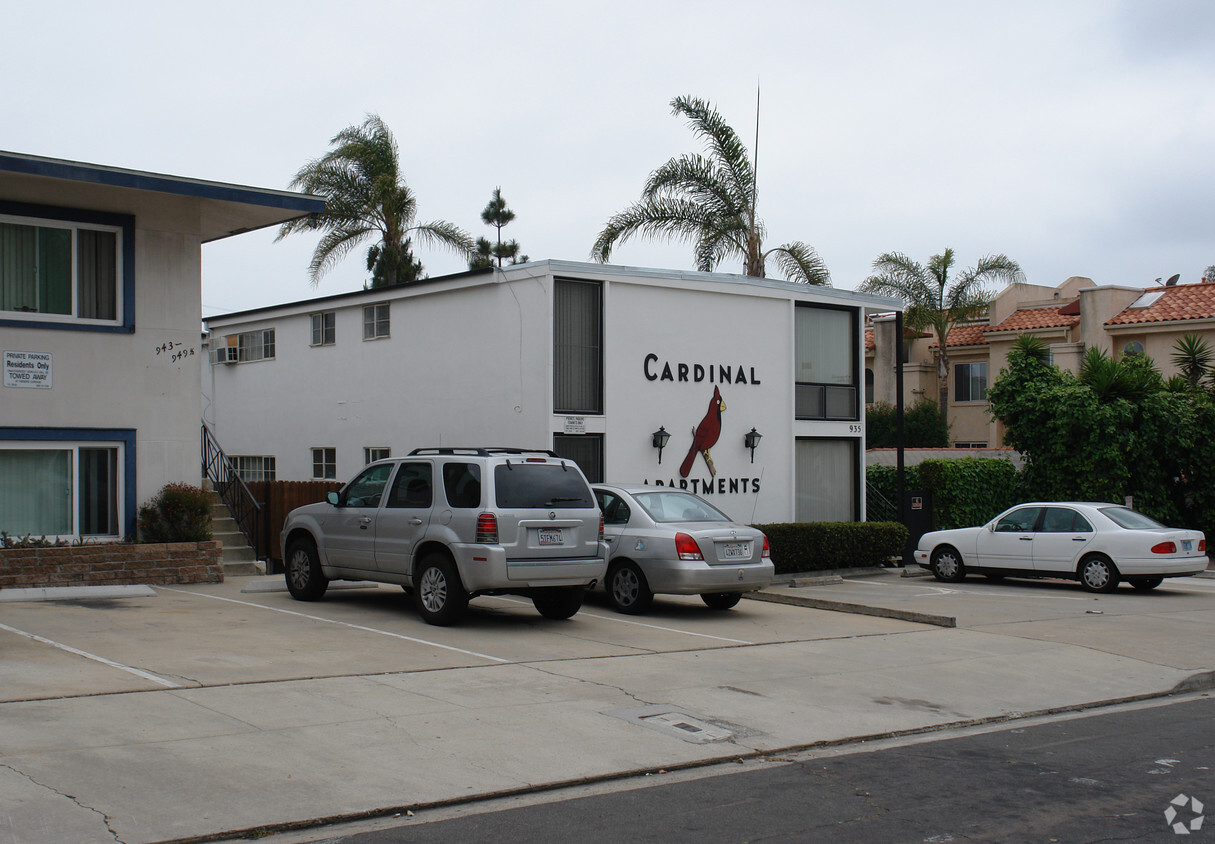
point(212, 210)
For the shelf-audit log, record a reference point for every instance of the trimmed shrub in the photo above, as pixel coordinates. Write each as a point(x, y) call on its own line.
point(178, 513)
point(923, 426)
point(816, 546)
point(969, 491)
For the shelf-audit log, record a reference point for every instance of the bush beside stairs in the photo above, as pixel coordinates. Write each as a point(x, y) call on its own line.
point(238, 558)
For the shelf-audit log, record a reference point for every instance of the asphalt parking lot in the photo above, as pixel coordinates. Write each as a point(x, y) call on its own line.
point(213, 709)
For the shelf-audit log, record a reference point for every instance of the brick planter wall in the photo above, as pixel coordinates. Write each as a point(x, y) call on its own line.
point(112, 564)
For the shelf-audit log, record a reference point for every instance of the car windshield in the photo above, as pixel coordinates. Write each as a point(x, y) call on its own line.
point(678, 507)
point(1124, 517)
point(530, 486)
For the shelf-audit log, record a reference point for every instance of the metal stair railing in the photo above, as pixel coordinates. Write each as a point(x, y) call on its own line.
point(232, 490)
point(879, 508)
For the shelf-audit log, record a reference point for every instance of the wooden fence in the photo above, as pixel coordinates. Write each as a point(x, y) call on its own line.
point(278, 498)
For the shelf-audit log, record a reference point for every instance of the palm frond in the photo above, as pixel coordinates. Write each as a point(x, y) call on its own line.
point(662, 218)
point(800, 263)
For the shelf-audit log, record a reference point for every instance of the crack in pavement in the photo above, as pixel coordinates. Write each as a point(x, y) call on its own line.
point(104, 817)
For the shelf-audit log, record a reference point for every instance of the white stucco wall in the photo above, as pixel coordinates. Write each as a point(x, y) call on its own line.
point(128, 380)
point(463, 367)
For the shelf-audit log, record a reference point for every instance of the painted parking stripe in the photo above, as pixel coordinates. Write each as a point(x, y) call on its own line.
point(639, 623)
point(339, 623)
point(945, 590)
point(130, 670)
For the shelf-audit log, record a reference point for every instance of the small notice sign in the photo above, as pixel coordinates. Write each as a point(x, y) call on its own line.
point(27, 369)
point(917, 503)
point(575, 425)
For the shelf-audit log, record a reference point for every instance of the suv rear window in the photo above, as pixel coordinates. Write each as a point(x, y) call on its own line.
point(531, 486)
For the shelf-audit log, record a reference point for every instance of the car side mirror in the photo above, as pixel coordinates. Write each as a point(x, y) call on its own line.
point(332, 498)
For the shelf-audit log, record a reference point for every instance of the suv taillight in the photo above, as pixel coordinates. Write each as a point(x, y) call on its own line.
point(487, 529)
point(600, 525)
point(767, 550)
point(686, 548)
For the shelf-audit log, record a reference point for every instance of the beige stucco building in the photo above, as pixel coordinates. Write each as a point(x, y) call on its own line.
point(1071, 318)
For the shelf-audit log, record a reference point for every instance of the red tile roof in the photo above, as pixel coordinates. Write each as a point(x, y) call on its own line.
point(1028, 319)
point(968, 334)
point(1181, 302)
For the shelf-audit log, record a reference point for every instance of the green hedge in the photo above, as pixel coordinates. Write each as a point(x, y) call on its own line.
point(816, 546)
point(965, 492)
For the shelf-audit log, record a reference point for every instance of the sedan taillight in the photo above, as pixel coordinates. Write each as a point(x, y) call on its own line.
point(1164, 548)
point(767, 550)
point(487, 529)
point(686, 548)
point(1202, 545)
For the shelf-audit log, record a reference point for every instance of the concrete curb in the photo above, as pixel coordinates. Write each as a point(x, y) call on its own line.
point(855, 609)
point(1203, 681)
point(75, 593)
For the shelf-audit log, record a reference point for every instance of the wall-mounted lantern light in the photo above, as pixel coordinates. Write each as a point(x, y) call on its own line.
point(659, 439)
point(751, 440)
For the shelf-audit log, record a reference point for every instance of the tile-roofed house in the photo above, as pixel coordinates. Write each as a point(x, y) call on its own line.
point(1033, 319)
point(1169, 304)
point(1070, 319)
point(967, 334)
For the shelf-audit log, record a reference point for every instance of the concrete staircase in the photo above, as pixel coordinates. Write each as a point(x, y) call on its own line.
point(238, 559)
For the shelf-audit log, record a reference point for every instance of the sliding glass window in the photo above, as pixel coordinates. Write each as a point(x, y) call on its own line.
point(59, 270)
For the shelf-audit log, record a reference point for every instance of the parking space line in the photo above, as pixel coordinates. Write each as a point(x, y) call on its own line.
point(339, 623)
point(641, 624)
point(129, 669)
point(947, 590)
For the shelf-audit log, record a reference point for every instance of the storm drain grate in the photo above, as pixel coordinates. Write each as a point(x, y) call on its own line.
point(680, 724)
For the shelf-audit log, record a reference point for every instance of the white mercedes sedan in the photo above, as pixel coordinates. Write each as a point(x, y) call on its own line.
point(1099, 545)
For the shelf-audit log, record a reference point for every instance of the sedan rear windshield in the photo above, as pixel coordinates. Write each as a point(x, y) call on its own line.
point(1130, 519)
point(531, 486)
point(679, 507)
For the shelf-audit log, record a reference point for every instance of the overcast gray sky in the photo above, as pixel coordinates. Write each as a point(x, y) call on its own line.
point(1076, 137)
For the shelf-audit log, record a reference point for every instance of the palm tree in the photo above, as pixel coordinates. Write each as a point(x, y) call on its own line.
point(366, 196)
point(1194, 357)
point(710, 200)
point(932, 302)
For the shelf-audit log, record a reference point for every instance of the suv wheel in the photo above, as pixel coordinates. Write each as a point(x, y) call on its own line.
point(305, 581)
point(558, 602)
point(438, 593)
point(627, 589)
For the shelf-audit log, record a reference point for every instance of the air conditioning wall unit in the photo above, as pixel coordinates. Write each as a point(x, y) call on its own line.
point(226, 354)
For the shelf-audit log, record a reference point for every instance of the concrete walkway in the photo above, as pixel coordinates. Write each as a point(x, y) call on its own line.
point(220, 709)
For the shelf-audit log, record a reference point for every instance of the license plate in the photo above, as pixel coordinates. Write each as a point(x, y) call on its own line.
point(550, 536)
point(1187, 544)
point(736, 551)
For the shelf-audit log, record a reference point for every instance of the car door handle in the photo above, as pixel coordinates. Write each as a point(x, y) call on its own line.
point(364, 522)
point(415, 522)
point(1026, 538)
point(1079, 539)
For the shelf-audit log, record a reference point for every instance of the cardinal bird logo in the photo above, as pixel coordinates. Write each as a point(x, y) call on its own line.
point(704, 436)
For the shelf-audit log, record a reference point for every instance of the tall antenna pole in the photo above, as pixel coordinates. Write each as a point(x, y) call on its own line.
point(755, 167)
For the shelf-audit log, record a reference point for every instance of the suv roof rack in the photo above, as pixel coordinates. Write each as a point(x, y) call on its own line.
point(483, 452)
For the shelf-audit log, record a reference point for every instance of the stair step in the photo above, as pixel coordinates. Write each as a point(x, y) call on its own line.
point(244, 569)
point(239, 555)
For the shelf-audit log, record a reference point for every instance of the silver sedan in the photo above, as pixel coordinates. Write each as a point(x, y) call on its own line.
point(664, 540)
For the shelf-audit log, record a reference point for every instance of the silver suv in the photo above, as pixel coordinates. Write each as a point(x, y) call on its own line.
point(449, 524)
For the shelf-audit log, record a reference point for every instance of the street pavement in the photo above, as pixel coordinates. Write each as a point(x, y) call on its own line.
point(212, 710)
